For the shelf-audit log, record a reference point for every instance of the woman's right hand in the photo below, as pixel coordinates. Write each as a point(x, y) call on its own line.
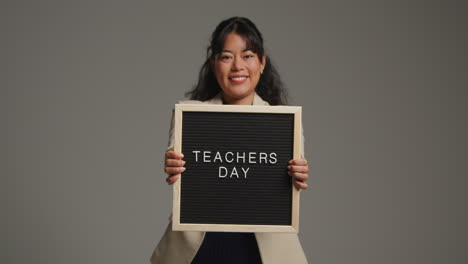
point(174, 165)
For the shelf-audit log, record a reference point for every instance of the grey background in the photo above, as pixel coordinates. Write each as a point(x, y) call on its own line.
point(88, 86)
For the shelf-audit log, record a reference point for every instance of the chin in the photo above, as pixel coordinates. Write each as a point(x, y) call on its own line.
point(237, 93)
point(238, 96)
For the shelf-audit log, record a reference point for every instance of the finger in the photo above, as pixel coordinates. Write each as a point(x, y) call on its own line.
point(301, 185)
point(299, 176)
point(297, 168)
point(172, 154)
point(174, 163)
point(300, 161)
point(172, 179)
point(174, 170)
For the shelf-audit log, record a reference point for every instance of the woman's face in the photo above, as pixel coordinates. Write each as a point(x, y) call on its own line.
point(237, 70)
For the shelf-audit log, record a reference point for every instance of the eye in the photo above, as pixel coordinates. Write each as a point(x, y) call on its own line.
point(225, 57)
point(248, 56)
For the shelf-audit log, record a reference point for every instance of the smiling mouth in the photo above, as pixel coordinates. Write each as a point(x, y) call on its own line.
point(238, 79)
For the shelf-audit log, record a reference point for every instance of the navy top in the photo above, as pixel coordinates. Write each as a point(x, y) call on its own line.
point(227, 248)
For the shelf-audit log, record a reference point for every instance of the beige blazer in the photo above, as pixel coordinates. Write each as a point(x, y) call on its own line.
point(177, 247)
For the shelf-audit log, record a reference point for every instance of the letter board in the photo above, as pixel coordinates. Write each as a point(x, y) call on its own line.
point(236, 176)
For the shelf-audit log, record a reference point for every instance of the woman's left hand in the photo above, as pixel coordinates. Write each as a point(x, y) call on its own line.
point(299, 170)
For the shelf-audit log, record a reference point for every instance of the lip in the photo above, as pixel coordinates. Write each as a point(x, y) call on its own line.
point(238, 78)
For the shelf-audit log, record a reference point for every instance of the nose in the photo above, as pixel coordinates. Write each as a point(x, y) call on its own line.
point(237, 64)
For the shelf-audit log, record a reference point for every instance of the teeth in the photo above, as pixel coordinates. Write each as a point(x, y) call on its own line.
point(238, 78)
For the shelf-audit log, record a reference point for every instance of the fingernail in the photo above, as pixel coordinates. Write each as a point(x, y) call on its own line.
point(290, 162)
point(182, 169)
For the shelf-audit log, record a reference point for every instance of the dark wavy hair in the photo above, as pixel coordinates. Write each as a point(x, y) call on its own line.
point(270, 87)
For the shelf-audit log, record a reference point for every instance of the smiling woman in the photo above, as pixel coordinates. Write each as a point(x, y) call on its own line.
point(236, 51)
point(236, 71)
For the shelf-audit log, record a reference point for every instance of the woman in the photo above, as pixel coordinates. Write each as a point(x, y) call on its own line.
point(237, 71)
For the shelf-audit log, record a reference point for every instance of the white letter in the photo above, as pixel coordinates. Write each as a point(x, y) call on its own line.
point(217, 156)
point(273, 158)
point(225, 172)
point(252, 157)
point(232, 173)
point(263, 156)
point(243, 157)
point(245, 172)
point(196, 154)
point(206, 156)
point(226, 158)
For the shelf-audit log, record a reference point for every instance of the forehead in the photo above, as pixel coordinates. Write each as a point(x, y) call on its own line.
point(235, 42)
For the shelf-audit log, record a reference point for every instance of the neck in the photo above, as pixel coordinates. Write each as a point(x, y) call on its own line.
point(248, 100)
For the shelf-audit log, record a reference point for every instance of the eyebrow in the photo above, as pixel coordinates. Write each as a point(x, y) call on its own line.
point(225, 50)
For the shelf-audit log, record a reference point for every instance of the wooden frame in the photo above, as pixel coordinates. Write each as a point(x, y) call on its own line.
point(297, 145)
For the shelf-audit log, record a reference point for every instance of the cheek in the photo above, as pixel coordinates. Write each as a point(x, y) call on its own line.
point(255, 68)
point(220, 71)
point(255, 74)
point(220, 76)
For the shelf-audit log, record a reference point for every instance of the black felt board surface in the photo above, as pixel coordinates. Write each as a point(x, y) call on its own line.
point(261, 197)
